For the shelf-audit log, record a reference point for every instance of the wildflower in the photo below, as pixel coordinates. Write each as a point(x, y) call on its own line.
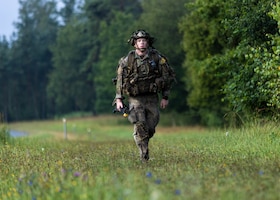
point(58, 189)
point(30, 183)
point(261, 172)
point(158, 181)
point(20, 191)
point(20, 179)
point(74, 183)
point(227, 133)
point(59, 162)
point(63, 171)
point(77, 174)
point(177, 192)
point(45, 175)
point(85, 177)
point(148, 174)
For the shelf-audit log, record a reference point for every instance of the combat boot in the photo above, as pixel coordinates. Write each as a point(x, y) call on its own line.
point(142, 145)
point(144, 154)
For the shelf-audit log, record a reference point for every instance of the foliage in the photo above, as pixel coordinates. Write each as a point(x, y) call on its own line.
point(70, 87)
point(248, 22)
point(187, 164)
point(67, 12)
point(4, 73)
point(217, 36)
point(4, 57)
point(30, 60)
point(253, 88)
point(204, 40)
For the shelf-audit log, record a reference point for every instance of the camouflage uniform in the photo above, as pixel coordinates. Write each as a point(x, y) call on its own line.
point(141, 79)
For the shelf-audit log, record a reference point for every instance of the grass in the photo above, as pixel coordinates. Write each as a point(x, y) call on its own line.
point(99, 160)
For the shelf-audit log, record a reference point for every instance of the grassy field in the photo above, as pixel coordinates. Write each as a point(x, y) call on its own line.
point(99, 160)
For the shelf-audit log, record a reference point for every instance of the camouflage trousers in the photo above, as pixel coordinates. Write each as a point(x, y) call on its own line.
point(144, 115)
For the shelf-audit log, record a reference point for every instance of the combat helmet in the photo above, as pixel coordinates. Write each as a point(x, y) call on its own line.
point(141, 34)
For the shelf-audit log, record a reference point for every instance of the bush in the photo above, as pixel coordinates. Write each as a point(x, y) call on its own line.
point(4, 135)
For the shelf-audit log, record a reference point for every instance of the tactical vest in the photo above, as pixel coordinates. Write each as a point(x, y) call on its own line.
point(147, 75)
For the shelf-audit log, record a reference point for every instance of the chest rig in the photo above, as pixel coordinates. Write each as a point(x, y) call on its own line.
point(141, 74)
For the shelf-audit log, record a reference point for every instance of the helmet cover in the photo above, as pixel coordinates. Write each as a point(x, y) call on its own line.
point(140, 34)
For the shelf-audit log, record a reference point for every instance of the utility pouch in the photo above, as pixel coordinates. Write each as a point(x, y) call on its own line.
point(133, 90)
point(153, 88)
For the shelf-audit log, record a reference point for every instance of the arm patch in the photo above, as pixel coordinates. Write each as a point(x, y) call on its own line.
point(162, 61)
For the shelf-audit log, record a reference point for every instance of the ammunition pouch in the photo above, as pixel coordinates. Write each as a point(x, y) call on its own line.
point(145, 86)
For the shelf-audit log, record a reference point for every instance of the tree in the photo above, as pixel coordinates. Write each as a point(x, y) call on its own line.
point(204, 41)
point(4, 57)
point(70, 87)
point(67, 12)
point(254, 88)
point(32, 57)
point(4, 78)
point(217, 36)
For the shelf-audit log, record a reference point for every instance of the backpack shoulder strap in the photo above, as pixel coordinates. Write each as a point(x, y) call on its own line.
point(130, 61)
point(155, 54)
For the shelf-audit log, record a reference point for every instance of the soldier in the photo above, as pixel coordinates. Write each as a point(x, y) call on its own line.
point(141, 76)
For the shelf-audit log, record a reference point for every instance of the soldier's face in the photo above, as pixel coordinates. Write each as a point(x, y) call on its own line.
point(141, 43)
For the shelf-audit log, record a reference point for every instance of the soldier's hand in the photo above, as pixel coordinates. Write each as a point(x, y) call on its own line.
point(119, 104)
point(163, 103)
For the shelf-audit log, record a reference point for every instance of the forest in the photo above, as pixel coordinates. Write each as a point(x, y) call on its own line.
point(61, 59)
